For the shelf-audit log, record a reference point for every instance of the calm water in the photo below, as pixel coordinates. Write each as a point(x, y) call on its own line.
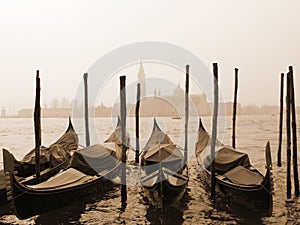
point(253, 132)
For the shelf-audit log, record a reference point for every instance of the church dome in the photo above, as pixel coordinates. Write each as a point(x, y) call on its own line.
point(178, 90)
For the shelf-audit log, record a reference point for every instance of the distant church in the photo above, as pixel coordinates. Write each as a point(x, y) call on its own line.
point(167, 105)
point(142, 80)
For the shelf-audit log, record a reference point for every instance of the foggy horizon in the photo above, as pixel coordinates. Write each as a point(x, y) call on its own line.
point(63, 42)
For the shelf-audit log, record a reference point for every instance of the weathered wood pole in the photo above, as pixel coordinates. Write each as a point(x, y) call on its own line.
point(214, 131)
point(123, 130)
point(280, 120)
point(269, 168)
point(186, 101)
point(86, 110)
point(288, 138)
point(137, 123)
point(234, 106)
point(37, 126)
point(294, 129)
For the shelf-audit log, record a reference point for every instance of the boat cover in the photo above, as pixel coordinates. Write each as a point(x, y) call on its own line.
point(226, 157)
point(163, 153)
point(95, 159)
point(157, 137)
point(116, 137)
point(203, 145)
point(67, 178)
point(55, 153)
point(241, 175)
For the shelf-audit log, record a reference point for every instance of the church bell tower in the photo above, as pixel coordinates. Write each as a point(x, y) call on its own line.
point(142, 80)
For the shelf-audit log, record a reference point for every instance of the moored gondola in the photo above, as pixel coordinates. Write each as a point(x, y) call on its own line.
point(163, 174)
point(236, 179)
point(90, 169)
point(50, 156)
point(53, 159)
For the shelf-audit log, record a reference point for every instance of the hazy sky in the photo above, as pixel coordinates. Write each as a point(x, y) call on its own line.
point(64, 38)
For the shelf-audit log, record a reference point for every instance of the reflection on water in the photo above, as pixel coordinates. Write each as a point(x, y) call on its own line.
point(253, 132)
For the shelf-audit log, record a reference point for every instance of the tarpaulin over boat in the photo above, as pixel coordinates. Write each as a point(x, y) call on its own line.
point(96, 158)
point(204, 142)
point(157, 137)
point(164, 155)
point(241, 175)
point(228, 158)
point(50, 156)
point(163, 152)
point(68, 178)
point(56, 152)
point(116, 137)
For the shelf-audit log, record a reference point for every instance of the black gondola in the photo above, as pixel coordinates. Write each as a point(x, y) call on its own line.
point(163, 174)
point(89, 170)
point(53, 159)
point(236, 179)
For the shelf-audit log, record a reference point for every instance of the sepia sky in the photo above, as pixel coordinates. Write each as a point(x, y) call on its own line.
point(64, 38)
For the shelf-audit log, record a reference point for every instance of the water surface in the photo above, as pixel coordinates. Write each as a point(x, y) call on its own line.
point(253, 132)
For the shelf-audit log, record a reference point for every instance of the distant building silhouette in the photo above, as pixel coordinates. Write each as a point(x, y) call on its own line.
point(46, 112)
point(142, 80)
point(3, 112)
point(157, 105)
point(169, 105)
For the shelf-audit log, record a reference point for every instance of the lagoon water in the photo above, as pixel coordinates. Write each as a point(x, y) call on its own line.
point(253, 132)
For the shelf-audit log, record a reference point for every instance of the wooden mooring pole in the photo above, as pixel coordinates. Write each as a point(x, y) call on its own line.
point(288, 138)
point(124, 148)
point(186, 101)
point(214, 131)
point(294, 130)
point(234, 106)
point(280, 120)
point(137, 123)
point(37, 126)
point(86, 110)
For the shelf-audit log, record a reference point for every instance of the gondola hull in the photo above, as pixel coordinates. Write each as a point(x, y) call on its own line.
point(256, 198)
point(27, 176)
point(29, 202)
point(3, 196)
point(236, 179)
point(164, 175)
point(67, 186)
point(46, 174)
point(164, 195)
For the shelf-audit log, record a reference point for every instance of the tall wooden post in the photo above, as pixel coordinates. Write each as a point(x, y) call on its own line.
point(280, 120)
point(269, 168)
point(123, 129)
point(294, 129)
point(137, 123)
point(234, 106)
point(187, 78)
point(214, 131)
point(288, 138)
point(86, 110)
point(37, 126)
